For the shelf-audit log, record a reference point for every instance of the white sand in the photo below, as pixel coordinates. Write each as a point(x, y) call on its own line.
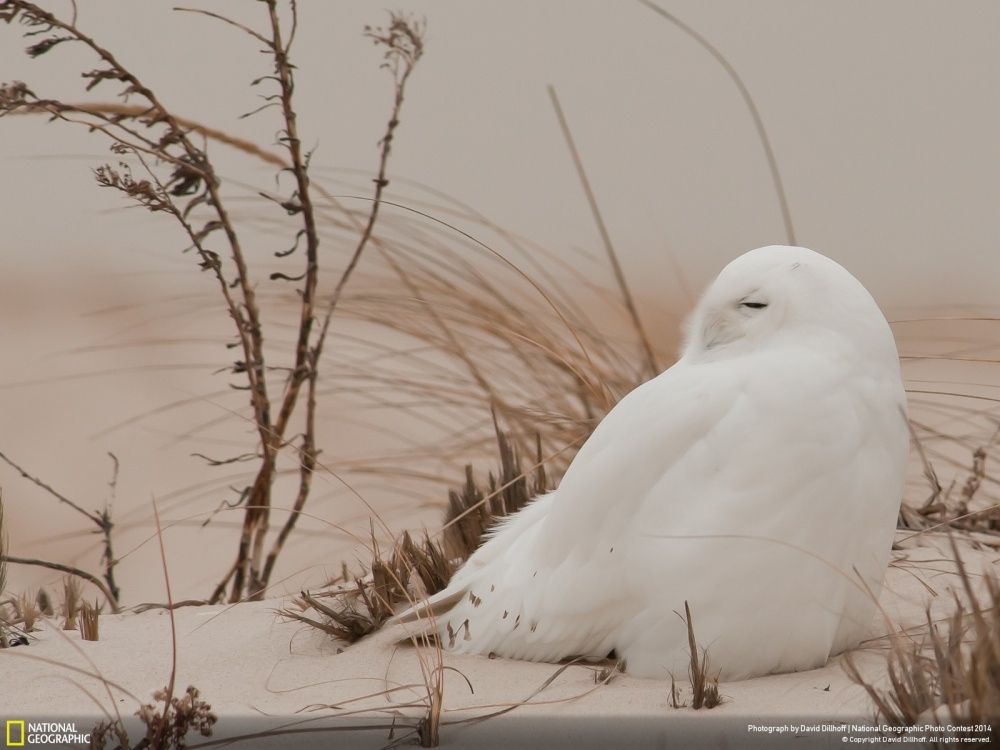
point(260, 672)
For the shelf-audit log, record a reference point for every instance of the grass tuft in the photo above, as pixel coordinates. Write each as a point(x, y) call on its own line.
point(26, 612)
point(704, 686)
point(44, 603)
point(473, 509)
point(71, 602)
point(414, 570)
point(952, 674)
point(361, 606)
point(3, 551)
point(164, 731)
point(90, 621)
point(185, 712)
point(965, 510)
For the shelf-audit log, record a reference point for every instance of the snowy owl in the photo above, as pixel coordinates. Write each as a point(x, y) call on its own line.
point(758, 479)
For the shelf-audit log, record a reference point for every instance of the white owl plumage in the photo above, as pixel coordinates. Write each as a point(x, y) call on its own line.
point(758, 479)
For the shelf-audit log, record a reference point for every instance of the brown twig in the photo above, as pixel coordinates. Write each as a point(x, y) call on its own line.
point(404, 44)
point(647, 348)
point(67, 569)
point(772, 163)
point(102, 520)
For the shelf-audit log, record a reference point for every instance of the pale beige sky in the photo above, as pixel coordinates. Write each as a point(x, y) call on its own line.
point(883, 118)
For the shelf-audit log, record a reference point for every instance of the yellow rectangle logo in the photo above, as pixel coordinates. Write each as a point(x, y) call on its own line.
point(15, 733)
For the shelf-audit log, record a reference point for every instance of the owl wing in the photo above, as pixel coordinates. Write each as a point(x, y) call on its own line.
point(776, 525)
point(696, 486)
point(536, 589)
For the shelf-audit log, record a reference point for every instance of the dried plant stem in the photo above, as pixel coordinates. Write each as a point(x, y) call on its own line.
point(600, 389)
point(47, 488)
point(651, 365)
point(3, 555)
point(952, 674)
point(161, 728)
point(193, 175)
point(705, 689)
point(102, 520)
point(108, 557)
point(193, 178)
point(772, 163)
point(90, 577)
point(405, 47)
point(135, 110)
point(249, 579)
point(90, 622)
point(697, 675)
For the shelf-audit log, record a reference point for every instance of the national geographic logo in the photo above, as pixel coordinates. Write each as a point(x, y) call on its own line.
point(15, 733)
point(21, 733)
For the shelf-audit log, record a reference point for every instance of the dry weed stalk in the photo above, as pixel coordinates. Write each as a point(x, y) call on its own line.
point(180, 715)
point(3, 551)
point(9, 607)
point(90, 622)
point(100, 519)
point(387, 581)
point(553, 373)
point(941, 511)
point(363, 605)
point(765, 142)
point(156, 139)
point(427, 728)
point(474, 509)
point(3, 576)
point(26, 612)
point(952, 675)
point(166, 727)
point(652, 367)
point(414, 570)
point(45, 603)
point(71, 603)
point(704, 688)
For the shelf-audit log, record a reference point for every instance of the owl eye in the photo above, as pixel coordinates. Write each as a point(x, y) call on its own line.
point(754, 305)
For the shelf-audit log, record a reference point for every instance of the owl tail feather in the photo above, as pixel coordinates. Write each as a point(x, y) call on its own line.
point(430, 608)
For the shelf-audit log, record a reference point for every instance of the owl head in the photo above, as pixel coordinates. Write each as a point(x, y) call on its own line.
point(780, 295)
